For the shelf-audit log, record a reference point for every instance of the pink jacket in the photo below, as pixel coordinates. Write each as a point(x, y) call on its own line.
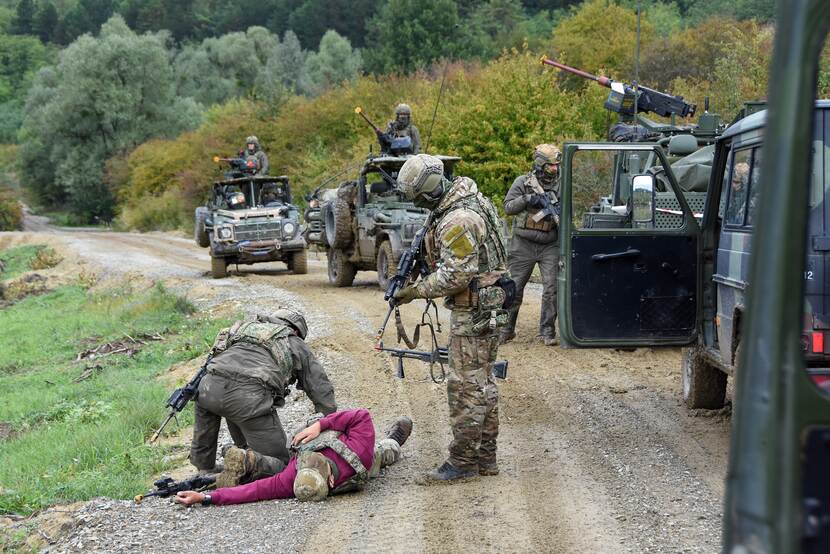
point(358, 433)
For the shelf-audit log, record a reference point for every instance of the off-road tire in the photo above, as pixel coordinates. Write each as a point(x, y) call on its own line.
point(341, 271)
point(704, 385)
point(386, 264)
point(299, 262)
point(200, 234)
point(218, 267)
point(338, 224)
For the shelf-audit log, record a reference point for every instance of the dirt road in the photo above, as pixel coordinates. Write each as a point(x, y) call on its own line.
point(597, 453)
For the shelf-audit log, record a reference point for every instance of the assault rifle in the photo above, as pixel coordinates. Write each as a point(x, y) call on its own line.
point(440, 355)
point(550, 210)
point(181, 396)
point(622, 96)
point(166, 486)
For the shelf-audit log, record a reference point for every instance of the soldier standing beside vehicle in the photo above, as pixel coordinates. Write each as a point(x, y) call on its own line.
point(253, 149)
point(403, 127)
point(535, 242)
point(466, 256)
point(254, 362)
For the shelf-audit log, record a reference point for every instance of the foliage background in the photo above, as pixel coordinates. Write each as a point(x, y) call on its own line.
point(292, 71)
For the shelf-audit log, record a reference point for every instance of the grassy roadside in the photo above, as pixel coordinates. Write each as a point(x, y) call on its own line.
point(72, 430)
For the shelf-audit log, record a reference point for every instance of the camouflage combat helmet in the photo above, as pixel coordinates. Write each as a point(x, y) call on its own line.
point(311, 482)
point(546, 154)
point(293, 318)
point(252, 140)
point(421, 179)
point(403, 113)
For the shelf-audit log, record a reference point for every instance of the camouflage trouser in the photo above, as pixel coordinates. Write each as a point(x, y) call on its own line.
point(251, 418)
point(522, 258)
point(473, 400)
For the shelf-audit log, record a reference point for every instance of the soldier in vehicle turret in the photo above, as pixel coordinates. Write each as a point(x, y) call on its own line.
point(254, 362)
point(253, 150)
point(402, 126)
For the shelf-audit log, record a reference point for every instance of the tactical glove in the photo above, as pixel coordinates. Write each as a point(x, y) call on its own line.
point(406, 295)
point(536, 201)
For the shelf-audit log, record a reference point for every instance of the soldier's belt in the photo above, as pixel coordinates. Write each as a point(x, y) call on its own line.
point(546, 225)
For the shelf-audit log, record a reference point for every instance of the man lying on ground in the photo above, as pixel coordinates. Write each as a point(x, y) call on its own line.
point(335, 454)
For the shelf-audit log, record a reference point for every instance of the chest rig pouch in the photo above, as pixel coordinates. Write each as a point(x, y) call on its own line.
point(496, 294)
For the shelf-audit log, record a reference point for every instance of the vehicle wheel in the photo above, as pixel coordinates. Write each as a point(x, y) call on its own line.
point(218, 267)
point(386, 264)
point(299, 262)
point(704, 386)
point(338, 224)
point(341, 271)
point(199, 232)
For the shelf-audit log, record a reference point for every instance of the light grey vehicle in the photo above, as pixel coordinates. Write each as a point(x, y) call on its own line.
point(368, 224)
point(248, 220)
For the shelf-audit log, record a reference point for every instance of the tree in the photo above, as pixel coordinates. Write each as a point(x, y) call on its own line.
point(336, 61)
point(105, 96)
point(24, 17)
point(46, 21)
point(224, 67)
point(409, 34)
point(86, 16)
point(283, 71)
point(311, 19)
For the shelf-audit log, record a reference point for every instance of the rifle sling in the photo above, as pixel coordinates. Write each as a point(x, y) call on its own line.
point(402, 335)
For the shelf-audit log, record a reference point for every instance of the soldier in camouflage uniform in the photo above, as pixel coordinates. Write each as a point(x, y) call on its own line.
point(252, 149)
point(254, 362)
point(402, 127)
point(467, 259)
point(535, 242)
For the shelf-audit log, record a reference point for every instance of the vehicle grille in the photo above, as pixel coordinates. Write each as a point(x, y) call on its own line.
point(258, 231)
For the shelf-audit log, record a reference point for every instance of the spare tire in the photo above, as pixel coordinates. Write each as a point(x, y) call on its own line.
point(199, 232)
point(338, 224)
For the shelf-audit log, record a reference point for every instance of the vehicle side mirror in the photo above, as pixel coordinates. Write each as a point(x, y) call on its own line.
point(642, 200)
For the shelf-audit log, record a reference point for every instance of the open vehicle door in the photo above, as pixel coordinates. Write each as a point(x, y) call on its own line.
point(629, 271)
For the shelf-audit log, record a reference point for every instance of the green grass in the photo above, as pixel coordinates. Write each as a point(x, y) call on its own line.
point(17, 260)
point(74, 441)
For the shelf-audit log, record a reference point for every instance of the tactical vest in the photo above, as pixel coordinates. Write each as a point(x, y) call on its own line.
point(270, 336)
point(328, 439)
point(524, 220)
point(492, 252)
point(491, 290)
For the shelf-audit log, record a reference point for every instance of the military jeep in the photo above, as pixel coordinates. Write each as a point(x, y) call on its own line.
point(250, 219)
point(664, 265)
point(367, 224)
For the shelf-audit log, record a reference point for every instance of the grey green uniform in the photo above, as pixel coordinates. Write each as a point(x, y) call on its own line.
point(410, 131)
point(246, 382)
point(466, 254)
point(532, 243)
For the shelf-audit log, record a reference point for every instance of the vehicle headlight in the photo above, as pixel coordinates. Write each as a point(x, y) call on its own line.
point(289, 228)
point(225, 233)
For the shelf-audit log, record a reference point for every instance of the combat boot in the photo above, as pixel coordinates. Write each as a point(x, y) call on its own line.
point(506, 336)
point(488, 468)
point(239, 464)
point(400, 430)
point(218, 468)
point(550, 341)
point(446, 473)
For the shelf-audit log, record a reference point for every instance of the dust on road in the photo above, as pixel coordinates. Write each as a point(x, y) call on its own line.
point(597, 453)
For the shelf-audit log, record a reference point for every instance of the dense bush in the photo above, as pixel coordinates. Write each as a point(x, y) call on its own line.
point(11, 214)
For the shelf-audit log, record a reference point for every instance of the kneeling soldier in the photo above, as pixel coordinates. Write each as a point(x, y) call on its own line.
point(254, 362)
